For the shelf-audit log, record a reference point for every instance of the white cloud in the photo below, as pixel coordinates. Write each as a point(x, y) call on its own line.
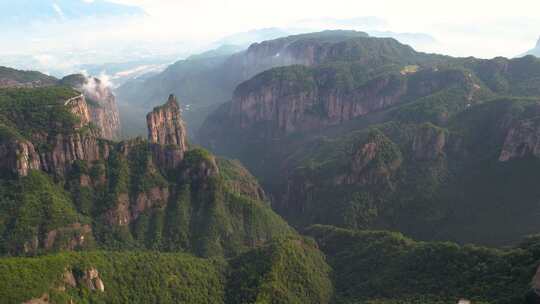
point(58, 10)
point(483, 28)
point(479, 28)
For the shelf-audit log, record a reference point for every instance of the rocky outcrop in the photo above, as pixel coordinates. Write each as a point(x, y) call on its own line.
point(55, 153)
point(374, 162)
point(73, 237)
point(120, 214)
point(66, 149)
point(89, 279)
point(311, 50)
point(167, 133)
point(165, 125)
point(167, 157)
point(280, 102)
point(429, 142)
point(521, 140)
point(92, 280)
point(18, 157)
point(154, 197)
point(533, 296)
point(102, 105)
point(70, 238)
point(104, 110)
point(79, 108)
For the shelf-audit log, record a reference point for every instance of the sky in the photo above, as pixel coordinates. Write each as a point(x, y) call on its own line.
point(463, 27)
point(172, 28)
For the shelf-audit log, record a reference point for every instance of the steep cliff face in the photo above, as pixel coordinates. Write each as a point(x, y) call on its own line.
point(151, 193)
point(305, 49)
point(101, 103)
point(208, 82)
point(54, 151)
point(167, 133)
point(375, 162)
point(79, 107)
point(523, 139)
point(429, 143)
point(105, 112)
point(282, 101)
point(165, 125)
point(19, 157)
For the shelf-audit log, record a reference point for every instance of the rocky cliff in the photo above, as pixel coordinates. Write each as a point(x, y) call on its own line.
point(209, 81)
point(166, 130)
point(523, 139)
point(283, 101)
point(153, 193)
point(101, 101)
point(55, 152)
point(165, 125)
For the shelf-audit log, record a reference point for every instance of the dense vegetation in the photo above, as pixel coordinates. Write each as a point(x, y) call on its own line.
point(286, 271)
point(429, 164)
point(443, 136)
point(22, 78)
point(25, 112)
point(213, 216)
point(386, 267)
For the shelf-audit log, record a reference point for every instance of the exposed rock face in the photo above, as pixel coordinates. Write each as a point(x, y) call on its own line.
point(105, 114)
point(165, 125)
point(155, 197)
point(68, 278)
point(167, 133)
point(429, 142)
point(522, 139)
point(374, 162)
point(73, 237)
point(103, 109)
point(68, 149)
point(62, 150)
point(79, 107)
point(202, 170)
point(120, 214)
point(92, 280)
point(68, 238)
point(309, 50)
point(19, 157)
point(274, 106)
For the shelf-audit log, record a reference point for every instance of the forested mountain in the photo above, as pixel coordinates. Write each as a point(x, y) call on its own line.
point(208, 80)
point(359, 143)
point(383, 137)
point(66, 189)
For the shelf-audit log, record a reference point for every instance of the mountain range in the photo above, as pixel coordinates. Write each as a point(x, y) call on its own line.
point(392, 138)
point(365, 172)
point(209, 79)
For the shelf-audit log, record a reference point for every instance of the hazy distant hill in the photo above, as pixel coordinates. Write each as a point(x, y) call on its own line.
point(535, 51)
